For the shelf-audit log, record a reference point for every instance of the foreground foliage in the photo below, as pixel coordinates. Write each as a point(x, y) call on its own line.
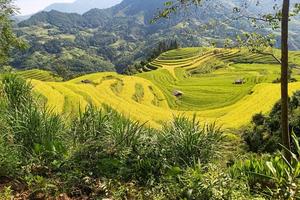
point(264, 133)
point(273, 176)
point(103, 154)
point(99, 152)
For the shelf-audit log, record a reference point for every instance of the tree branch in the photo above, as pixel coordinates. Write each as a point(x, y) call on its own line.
point(270, 54)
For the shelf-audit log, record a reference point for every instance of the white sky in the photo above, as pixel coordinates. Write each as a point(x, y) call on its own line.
point(32, 6)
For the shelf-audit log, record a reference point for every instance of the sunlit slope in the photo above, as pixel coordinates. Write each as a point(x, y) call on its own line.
point(111, 89)
point(207, 79)
point(205, 76)
point(66, 97)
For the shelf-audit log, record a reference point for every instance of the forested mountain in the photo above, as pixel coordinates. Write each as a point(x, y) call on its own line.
point(123, 34)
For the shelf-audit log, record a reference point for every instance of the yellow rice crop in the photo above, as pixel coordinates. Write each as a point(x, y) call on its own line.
point(68, 96)
point(55, 100)
point(262, 99)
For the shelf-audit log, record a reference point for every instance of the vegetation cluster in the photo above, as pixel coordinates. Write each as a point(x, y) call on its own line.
point(102, 154)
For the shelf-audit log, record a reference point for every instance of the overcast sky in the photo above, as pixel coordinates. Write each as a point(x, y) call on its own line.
point(32, 6)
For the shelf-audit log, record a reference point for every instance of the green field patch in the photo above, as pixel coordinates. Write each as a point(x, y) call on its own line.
point(157, 99)
point(139, 93)
point(208, 67)
point(40, 75)
point(117, 86)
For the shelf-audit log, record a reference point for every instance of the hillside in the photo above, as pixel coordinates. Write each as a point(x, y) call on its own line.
point(122, 34)
point(200, 74)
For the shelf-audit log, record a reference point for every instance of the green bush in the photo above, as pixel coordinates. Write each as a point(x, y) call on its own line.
point(36, 130)
point(39, 132)
point(106, 126)
point(16, 90)
point(108, 144)
point(201, 183)
point(274, 176)
point(264, 133)
point(111, 146)
point(186, 141)
point(90, 125)
point(145, 163)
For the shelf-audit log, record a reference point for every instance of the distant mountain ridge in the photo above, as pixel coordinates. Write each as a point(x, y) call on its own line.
point(138, 11)
point(122, 34)
point(82, 6)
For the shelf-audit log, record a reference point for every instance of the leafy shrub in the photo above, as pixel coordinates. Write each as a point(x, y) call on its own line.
point(146, 163)
point(274, 176)
point(201, 183)
point(123, 150)
point(264, 134)
point(109, 145)
point(259, 139)
point(91, 124)
point(106, 145)
point(107, 126)
point(104, 139)
point(41, 187)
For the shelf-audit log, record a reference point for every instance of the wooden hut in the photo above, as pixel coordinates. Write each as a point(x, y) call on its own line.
point(177, 93)
point(86, 81)
point(239, 82)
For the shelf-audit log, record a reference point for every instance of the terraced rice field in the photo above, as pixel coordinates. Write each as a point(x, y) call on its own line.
point(205, 77)
point(39, 75)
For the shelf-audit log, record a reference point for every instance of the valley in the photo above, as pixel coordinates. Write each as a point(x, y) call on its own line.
point(205, 77)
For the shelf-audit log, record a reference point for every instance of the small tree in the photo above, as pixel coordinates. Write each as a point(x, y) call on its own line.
point(8, 39)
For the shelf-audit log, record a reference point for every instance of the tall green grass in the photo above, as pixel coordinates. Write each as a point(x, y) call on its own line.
point(187, 142)
point(35, 129)
point(16, 91)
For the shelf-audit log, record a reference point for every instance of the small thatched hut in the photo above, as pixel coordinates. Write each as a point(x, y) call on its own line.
point(86, 81)
point(239, 82)
point(177, 93)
